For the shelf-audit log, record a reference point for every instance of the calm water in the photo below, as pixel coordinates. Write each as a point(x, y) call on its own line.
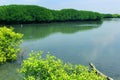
point(75, 42)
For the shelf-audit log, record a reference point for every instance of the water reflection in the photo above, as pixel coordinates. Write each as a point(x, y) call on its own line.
point(60, 39)
point(8, 71)
point(37, 31)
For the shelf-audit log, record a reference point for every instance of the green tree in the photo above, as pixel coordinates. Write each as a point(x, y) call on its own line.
point(9, 44)
point(32, 13)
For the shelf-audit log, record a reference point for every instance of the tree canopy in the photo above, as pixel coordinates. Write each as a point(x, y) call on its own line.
point(33, 13)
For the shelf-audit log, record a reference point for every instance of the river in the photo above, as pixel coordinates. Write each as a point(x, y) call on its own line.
point(74, 42)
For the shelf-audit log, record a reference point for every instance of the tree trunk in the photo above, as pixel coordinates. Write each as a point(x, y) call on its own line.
point(99, 73)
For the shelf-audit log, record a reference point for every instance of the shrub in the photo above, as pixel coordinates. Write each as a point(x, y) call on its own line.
point(51, 68)
point(9, 44)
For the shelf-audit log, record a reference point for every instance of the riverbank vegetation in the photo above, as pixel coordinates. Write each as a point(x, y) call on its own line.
point(37, 67)
point(9, 44)
point(111, 15)
point(37, 14)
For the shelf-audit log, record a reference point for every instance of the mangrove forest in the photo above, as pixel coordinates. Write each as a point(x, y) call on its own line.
point(37, 14)
point(37, 66)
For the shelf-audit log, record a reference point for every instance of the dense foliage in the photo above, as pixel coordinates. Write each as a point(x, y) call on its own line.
point(32, 13)
point(9, 44)
point(50, 68)
point(111, 15)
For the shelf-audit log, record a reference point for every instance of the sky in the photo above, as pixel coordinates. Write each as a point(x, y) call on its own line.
point(102, 6)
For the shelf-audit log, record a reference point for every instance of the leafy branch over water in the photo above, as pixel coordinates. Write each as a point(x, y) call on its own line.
point(37, 67)
point(9, 44)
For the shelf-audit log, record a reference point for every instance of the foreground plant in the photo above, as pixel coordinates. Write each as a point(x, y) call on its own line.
point(9, 44)
point(37, 67)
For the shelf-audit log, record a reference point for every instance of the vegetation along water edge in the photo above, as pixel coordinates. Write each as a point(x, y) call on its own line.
point(36, 14)
point(37, 67)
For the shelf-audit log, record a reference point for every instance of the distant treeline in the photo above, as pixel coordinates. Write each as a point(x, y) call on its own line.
point(111, 15)
point(37, 14)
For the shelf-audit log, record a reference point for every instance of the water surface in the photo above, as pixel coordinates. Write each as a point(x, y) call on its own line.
point(76, 42)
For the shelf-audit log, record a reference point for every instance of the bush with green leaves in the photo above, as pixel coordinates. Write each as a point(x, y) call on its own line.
point(49, 67)
point(9, 44)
